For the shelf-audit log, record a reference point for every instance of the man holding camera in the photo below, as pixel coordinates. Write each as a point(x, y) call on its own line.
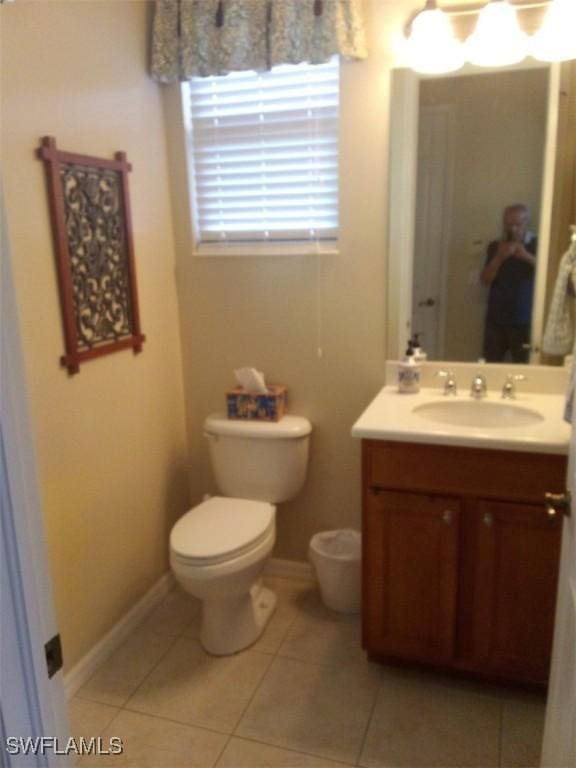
point(509, 273)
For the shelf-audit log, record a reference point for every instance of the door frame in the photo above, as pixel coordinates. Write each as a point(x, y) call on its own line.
point(36, 704)
point(559, 740)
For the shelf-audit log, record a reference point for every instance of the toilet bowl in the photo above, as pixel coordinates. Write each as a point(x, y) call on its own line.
point(217, 553)
point(219, 548)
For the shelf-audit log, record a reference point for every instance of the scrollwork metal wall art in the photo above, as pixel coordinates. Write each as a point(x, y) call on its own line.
point(90, 210)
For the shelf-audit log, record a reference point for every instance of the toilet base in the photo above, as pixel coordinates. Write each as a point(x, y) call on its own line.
point(230, 625)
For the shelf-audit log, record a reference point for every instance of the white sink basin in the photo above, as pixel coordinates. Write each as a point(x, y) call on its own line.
point(478, 413)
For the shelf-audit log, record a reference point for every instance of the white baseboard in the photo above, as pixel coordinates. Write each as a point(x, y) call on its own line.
point(85, 668)
point(289, 569)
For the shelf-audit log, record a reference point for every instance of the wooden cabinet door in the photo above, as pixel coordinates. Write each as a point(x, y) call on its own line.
point(410, 574)
point(515, 551)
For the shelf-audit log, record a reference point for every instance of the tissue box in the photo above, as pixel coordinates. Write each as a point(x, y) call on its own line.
point(268, 407)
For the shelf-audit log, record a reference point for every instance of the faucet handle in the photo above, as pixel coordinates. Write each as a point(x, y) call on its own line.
point(478, 387)
point(450, 386)
point(509, 387)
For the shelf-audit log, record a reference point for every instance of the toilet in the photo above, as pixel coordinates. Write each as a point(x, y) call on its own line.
point(219, 548)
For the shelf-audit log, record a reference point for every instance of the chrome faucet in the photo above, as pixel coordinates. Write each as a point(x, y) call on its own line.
point(478, 387)
point(450, 386)
point(509, 387)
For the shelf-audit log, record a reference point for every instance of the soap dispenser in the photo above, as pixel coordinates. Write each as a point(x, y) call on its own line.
point(409, 373)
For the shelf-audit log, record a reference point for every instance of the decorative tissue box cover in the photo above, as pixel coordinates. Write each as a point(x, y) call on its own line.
point(268, 407)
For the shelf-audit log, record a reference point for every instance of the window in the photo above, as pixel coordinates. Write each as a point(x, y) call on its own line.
point(263, 151)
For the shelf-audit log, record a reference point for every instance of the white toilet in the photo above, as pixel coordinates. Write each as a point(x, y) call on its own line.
point(219, 548)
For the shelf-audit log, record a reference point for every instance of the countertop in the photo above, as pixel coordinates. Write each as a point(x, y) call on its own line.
point(391, 416)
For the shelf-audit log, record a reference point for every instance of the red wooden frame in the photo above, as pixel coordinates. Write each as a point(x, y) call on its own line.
point(54, 159)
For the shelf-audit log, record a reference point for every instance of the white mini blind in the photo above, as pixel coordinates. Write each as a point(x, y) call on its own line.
point(264, 149)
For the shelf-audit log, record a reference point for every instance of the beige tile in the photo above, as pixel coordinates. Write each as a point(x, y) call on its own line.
point(121, 674)
point(322, 636)
point(89, 718)
point(241, 753)
point(149, 742)
point(291, 596)
point(192, 687)
point(522, 731)
point(177, 612)
point(420, 721)
point(311, 708)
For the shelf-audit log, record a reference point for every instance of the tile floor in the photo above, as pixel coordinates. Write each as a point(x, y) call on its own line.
point(302, 697)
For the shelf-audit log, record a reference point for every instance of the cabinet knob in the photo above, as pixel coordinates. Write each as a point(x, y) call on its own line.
point(447, 516)
point(488, 519)
point(558, 502)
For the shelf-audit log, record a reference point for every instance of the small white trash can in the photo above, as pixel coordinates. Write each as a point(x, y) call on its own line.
point(336, 557)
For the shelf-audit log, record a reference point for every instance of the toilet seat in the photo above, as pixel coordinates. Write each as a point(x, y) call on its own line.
point(221, 528)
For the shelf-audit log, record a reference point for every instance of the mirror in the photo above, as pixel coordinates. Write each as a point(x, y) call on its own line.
point(463, 148)
point(481, 142)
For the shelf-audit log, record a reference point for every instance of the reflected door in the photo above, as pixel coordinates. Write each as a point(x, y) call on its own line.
point(432, 226)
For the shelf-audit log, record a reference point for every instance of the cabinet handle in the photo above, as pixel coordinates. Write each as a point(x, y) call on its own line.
point(488, 519)
point(558, 502)
point(447, 517)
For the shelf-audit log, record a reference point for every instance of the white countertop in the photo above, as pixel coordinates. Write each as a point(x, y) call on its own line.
point(390, 416)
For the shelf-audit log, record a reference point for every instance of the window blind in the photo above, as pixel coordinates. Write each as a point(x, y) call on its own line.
point(264, 149)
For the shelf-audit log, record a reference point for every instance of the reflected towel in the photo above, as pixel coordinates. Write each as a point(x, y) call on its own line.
point(559, 334)
point(569, 404)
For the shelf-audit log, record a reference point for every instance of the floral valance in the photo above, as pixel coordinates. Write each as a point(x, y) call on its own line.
point(214, 37)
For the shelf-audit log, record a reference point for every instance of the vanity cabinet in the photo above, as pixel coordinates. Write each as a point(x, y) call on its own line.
point(460, 557)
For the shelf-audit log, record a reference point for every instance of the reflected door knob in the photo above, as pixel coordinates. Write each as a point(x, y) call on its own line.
point(430, 302)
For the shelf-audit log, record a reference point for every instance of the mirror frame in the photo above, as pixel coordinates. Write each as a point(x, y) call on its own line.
point(402, 179)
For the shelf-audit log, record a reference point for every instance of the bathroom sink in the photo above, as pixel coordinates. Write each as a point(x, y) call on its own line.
point(533, 422)
point(478, 413)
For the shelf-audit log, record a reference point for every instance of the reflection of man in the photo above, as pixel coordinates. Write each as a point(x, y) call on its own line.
point(509, 271)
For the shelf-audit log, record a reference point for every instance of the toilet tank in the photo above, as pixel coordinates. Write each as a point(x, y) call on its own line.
point(259, 460)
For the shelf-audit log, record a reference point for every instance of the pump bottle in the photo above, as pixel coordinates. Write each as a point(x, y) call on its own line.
point(409, 373)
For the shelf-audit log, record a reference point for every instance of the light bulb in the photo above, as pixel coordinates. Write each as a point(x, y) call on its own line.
point(497, 40)
point(556, 39)
point(432, 47)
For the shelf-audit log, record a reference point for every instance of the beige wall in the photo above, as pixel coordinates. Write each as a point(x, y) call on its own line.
point(111, 440)
point(497, 154)
point(274, 312)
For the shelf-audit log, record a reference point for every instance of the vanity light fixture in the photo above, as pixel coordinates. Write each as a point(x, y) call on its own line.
point(432, 47)
point(497, 40)
point(556, 39)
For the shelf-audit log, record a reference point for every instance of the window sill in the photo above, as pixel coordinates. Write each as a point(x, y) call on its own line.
point(265, 249)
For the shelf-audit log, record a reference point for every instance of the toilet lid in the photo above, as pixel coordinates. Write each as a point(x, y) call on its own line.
point(289, 427)
point(221, 527)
